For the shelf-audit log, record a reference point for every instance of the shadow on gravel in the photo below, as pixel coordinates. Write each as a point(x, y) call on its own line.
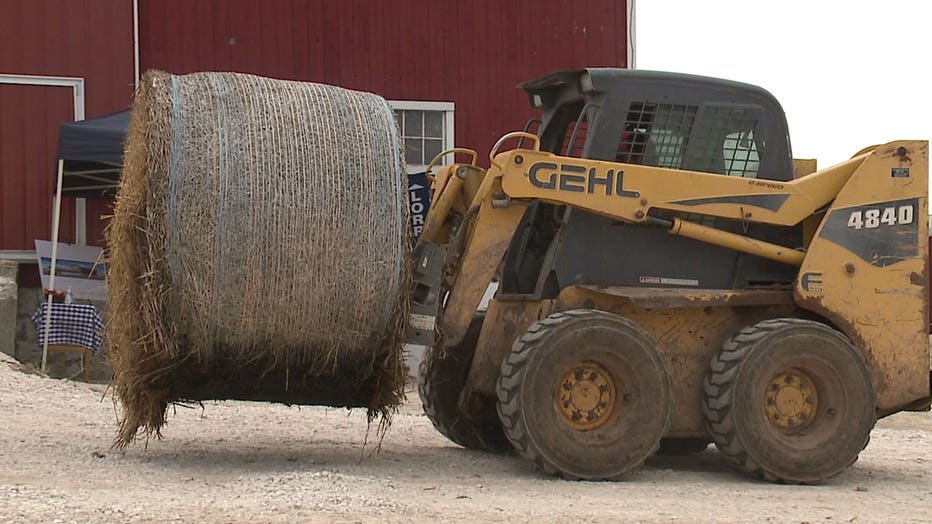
point(257, 456)
point(708, 461)
point(436, 463)
point(715, 466)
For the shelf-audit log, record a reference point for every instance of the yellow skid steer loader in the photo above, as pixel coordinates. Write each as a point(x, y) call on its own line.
point(668, 276)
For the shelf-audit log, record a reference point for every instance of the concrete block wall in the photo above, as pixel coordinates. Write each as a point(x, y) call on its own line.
point(8, 307)
point(27, 348)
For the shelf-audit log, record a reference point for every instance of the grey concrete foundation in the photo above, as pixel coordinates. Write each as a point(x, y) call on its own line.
point(8, 301)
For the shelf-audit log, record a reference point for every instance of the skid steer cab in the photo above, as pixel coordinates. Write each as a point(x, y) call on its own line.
point(669, 277)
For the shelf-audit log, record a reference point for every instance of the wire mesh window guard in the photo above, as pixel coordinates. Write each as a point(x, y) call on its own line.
point(718, 139)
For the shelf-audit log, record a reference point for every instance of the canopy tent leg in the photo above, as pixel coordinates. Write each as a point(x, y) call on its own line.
point(80, 221)
point(48, 306)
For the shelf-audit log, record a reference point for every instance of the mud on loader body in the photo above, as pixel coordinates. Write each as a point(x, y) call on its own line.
point(668, 277)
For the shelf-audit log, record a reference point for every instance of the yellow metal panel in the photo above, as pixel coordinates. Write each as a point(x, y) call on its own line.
point(879, 301)
point(484, 250)
point(801, 168)
point(453, 190)
point(804, 166)
point(505, 321)
point(444, 199)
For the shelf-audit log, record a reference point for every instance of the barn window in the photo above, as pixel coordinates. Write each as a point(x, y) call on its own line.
point(427, 130)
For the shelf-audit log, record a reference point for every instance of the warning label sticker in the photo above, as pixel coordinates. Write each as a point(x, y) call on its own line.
point(666, 281)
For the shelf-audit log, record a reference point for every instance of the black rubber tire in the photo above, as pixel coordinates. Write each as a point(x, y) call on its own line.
point(682, 445)
point(532, 374)
point(441, 377)
point(734, 395)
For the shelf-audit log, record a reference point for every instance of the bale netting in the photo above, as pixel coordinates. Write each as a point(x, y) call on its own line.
point(258, 248)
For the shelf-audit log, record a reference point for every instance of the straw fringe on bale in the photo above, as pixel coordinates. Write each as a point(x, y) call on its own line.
point(258, 248)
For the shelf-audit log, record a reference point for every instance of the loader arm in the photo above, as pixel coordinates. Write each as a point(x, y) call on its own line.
point(626, 192)
point(473, 246)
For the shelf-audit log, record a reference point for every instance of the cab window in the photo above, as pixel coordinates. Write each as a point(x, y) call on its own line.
point(712, 138)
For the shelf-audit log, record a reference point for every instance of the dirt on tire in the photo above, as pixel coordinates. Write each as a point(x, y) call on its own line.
point(441, 377)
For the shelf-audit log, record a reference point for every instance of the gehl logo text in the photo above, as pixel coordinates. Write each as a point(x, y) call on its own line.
point(571, 177)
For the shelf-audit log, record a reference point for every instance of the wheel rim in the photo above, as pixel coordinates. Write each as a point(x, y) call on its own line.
point(791, 401)
point(586, 396)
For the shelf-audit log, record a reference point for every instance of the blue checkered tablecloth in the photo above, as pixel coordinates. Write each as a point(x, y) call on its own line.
point(72, 324)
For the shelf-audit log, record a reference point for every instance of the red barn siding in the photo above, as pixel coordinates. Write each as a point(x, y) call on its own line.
point(91, 39)
point(28, 139)
point(98, 212)
point(470, 53)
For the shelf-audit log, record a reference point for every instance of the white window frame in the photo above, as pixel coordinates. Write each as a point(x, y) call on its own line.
point(632, 37)
point(448, 109)
point(77, 88)
point(136, 41)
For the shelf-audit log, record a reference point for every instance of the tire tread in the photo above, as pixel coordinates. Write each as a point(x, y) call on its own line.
point(718, 388)
point(512, 374)
point(434, 387)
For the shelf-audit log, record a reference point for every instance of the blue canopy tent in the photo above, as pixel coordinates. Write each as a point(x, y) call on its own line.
point(92, 155)
point(90, 158)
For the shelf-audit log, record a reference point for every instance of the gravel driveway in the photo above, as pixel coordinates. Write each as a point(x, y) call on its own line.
point(238, 461)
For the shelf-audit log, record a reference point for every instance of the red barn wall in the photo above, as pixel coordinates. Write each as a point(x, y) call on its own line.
point(91, 39)
point(29, 119)
point(471, 53)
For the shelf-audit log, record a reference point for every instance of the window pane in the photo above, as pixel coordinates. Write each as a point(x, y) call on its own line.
point(432, 148)
point(656, 134)
point(740, 152)
point(737, 154)
point(414, 153)
point(414, 124)
point(433, 124)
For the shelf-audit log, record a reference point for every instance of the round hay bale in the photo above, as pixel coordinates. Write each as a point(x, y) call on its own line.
point(258, 248)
